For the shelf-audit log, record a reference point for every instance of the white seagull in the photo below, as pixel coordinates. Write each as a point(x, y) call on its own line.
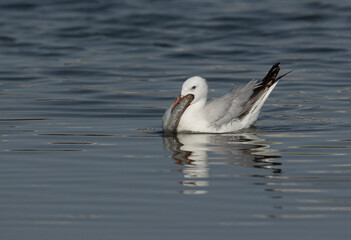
point(238, 109)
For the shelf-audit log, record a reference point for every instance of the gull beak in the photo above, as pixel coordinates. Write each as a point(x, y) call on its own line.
point(187, 99)
point(175, 103)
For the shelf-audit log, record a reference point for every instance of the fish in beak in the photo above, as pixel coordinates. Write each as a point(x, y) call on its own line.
point(174, 113)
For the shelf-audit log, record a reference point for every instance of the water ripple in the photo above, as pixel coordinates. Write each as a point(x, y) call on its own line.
point(84, 84)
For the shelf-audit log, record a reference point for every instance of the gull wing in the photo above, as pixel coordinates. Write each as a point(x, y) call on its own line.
point(224, 109)
point(244, 101)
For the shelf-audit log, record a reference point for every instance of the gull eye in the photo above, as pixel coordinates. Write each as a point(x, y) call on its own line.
point(193, 88)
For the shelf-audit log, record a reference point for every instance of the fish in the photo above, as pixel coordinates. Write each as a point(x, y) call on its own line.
point(174, 113)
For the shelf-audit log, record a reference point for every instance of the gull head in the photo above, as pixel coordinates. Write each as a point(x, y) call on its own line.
point(196, 86)
point(194, 90)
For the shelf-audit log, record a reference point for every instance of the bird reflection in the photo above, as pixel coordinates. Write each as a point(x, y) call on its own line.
point(243, 149)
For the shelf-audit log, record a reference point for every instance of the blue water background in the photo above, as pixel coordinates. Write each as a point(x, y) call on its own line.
point(84, 85)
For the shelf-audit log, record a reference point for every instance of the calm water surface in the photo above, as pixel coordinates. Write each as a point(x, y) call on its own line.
point(83, 87)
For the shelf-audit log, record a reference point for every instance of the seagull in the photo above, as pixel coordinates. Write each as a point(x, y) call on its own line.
point(238, 109)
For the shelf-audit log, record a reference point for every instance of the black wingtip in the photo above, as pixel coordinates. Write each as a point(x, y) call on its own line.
point(271, 76)
point(269, 80)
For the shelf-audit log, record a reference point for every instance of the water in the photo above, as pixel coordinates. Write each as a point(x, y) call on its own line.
point(83, 87)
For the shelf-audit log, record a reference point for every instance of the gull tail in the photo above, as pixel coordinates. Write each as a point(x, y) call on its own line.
point(260, 93)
